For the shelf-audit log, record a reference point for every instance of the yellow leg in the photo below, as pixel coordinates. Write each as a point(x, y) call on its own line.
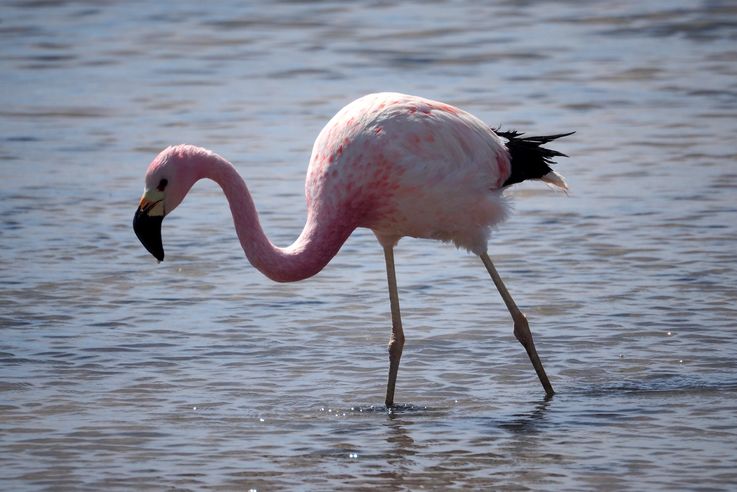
point(521, 327)
point(396, 341)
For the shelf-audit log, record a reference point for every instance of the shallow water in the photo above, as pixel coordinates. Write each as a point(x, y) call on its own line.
point(198, 373)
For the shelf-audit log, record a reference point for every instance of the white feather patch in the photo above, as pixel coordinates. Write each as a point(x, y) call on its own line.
point(556, 180)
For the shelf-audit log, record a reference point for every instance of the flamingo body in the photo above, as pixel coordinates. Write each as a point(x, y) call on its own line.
point(403, 165)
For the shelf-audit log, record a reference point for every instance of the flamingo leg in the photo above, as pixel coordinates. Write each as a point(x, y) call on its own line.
point(396, 341)
point(521, 327)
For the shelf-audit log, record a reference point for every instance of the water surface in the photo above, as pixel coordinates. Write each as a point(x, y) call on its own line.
point(199, 373)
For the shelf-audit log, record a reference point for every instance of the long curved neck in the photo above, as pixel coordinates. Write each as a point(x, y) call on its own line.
point(319, 242)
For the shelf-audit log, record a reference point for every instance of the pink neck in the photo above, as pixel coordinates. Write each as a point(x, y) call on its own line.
point(318, 243)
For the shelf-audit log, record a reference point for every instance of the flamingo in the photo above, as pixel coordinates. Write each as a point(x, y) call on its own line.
point(397, 164)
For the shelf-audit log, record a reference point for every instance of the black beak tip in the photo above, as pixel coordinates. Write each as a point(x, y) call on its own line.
point(148, 231)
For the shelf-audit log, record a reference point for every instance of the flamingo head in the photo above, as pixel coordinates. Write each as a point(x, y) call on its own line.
point(168, 179)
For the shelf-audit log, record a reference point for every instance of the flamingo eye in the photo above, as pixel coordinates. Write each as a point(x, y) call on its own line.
point(162, 184)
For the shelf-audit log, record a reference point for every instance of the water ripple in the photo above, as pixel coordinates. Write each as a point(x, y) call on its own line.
point(119, 373)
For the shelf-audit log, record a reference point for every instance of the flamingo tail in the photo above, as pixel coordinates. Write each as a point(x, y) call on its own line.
point(530, 160)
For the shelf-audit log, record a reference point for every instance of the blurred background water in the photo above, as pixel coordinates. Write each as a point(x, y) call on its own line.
point(199, 373)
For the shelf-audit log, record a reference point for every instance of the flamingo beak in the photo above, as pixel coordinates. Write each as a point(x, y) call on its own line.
point(147, 222)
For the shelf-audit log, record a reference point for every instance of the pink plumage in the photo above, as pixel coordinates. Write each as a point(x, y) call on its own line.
point(406, 166)
point(397, 164)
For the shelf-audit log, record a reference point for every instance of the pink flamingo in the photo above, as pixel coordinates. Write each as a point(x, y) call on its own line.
point(399, 165)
